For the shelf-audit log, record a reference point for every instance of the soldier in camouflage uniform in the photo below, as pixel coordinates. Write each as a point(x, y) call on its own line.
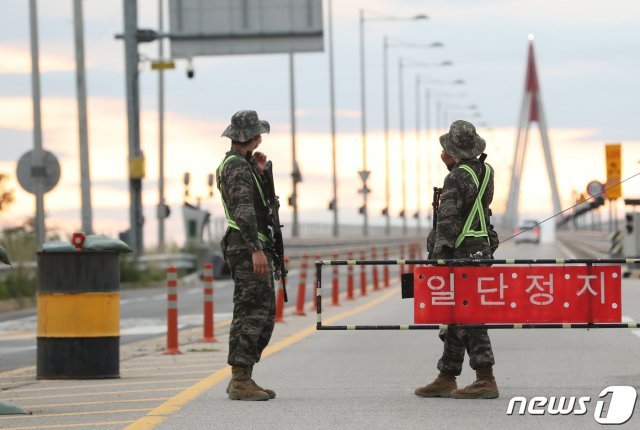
point(247, 248)
point(463, 230)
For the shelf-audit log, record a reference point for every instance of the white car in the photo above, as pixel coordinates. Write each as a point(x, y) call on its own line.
point(529, 231)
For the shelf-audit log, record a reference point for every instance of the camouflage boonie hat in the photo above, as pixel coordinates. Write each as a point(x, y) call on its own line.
point(462, 141)
point(245, 125)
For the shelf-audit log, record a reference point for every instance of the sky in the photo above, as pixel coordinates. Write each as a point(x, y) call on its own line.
point(587, 60)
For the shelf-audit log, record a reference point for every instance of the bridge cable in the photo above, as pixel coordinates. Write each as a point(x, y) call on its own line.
point(562, 211)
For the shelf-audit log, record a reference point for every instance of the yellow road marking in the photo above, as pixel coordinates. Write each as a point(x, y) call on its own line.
point(60, 426)
point(102, 402)
point(173, 366)
point(173, 405)
point(12, 335)
point(66, 414)
point(120, 384)
point(11, 373)
point(97, 393)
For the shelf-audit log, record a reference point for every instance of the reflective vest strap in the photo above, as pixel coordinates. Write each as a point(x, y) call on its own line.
point(476, 209)
point(232, 224)
point(255, 178)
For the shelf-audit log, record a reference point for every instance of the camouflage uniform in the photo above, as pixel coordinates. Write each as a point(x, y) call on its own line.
point(458, 195)
point(254, 297)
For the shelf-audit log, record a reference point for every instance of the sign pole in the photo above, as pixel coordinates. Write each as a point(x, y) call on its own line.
point(81, 84)
point(37, 171)
point(161, 203)
point(136, 166)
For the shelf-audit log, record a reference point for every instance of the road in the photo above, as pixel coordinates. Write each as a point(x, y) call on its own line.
point(365, 380)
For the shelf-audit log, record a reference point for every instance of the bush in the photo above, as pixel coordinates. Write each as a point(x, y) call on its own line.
point(130, 273)
point(20, 243)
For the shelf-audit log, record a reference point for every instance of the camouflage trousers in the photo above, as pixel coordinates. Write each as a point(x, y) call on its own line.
point(456, 340)
point(254, 310)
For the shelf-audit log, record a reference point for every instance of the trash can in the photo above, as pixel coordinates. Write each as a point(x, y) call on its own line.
point(78, 315)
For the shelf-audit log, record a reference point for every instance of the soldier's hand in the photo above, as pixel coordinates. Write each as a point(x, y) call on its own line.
point(260, 264)
point(261, 160)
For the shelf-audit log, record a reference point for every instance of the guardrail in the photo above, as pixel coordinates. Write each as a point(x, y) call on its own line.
point(586, 244)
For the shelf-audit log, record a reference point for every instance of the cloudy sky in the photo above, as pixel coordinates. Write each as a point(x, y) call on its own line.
point(588, 65)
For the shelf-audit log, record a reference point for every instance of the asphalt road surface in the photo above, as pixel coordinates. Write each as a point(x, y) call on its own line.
point(365, 380)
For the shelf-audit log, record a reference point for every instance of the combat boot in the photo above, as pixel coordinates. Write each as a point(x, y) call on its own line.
point(484, 387)
point(242, 387)
point(271, 393)
point(443, 385)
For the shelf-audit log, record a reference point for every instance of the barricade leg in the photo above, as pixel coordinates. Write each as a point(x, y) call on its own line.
point(302, 286)
point(314, 306)
point(350, 277)
point(374, 269)
point(363, 274)
point(172, 311)
point(385, 269)
point(208, 323)
point(335, 287)
point(401, 258)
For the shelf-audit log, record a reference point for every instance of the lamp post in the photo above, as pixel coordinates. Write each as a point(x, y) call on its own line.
point(419, 81)
point(401, 66)
point(364, 173)
point(385, 81)
point(459, 108)
point(334, 203)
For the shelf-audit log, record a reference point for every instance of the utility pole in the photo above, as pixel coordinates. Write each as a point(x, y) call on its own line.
point(387, 188)
point(161, 212)
point(295, 172)
point(38, 153)
point(83, 129)
point(334, 202)
point(364, 173)
point(136, 159)
point(402, 151)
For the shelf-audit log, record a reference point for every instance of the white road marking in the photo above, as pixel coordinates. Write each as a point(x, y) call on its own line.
point(25, 328)
point(565, 250)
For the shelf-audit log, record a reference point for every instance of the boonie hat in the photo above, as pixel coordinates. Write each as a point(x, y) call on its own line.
point(462, 141)
point(245, 125)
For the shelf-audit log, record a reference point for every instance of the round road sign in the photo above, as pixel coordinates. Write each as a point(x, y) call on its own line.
point(48, 172)
point(594, 188)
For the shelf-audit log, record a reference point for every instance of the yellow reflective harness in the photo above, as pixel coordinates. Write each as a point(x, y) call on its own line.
point(476, 209)
point(261, 236)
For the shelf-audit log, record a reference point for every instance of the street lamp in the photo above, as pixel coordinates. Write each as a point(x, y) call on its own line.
point(461, 110)
point(419, 81)
point(385, 82)
point(401, 65)
point(364, 173)
point(439, 123)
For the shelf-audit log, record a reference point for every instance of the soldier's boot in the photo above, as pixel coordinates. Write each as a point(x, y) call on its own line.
point(242, 387)
point(443, 385)
point(484, 387)
point(271, 393)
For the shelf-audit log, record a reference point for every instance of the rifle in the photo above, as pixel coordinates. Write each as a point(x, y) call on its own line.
point(280, 271)
point(435, 204)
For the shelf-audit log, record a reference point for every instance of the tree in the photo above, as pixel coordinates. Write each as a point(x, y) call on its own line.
point(6, 196)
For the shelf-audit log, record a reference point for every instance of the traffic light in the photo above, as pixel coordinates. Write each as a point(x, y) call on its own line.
point(401, 215)
point(385, 212)
point(629, 218)
point(332, 205)
point(361, 210)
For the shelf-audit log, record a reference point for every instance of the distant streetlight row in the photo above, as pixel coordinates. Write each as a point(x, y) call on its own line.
point(441, 115)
